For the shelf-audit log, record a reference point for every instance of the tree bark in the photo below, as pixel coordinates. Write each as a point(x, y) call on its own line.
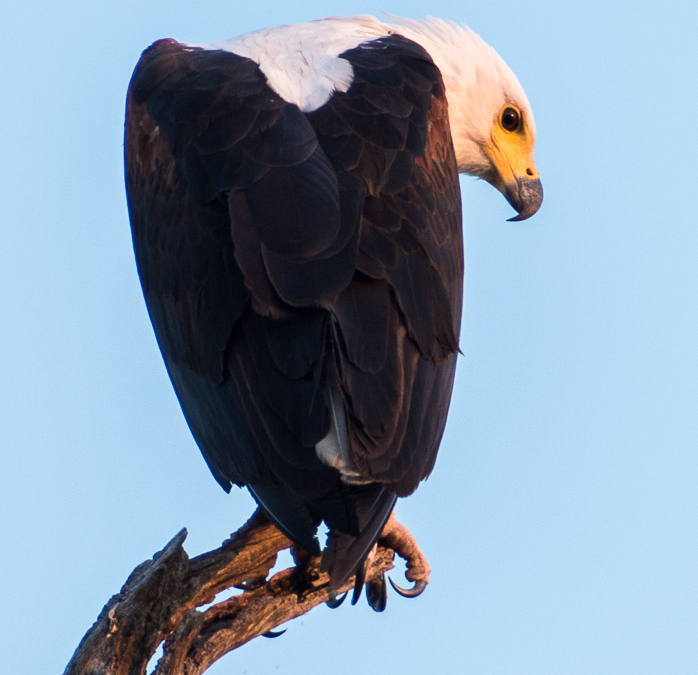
point(163, 599)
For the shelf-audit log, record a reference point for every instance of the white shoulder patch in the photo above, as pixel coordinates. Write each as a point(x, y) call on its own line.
point(301, 61)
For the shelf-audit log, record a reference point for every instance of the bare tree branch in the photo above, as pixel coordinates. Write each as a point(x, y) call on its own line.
point(165, 600)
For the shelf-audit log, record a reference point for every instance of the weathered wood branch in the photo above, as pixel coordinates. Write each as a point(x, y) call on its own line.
point(167, 600)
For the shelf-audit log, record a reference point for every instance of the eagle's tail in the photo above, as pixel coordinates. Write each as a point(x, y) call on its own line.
point(344, 552)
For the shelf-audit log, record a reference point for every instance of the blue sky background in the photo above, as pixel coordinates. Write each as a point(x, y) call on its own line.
point(561, 519)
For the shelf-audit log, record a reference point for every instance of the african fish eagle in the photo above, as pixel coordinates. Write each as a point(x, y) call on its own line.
point(295, 208)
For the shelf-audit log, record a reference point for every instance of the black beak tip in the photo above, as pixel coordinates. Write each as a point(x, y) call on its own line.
point(528, 199)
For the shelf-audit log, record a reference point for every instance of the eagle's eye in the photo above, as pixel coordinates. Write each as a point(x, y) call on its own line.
point(510, 119)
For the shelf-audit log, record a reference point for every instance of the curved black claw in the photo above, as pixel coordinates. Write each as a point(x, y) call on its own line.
point(413, 592)
point(274, 633)
point(377, 594)
point(251, 584)
point(336, 602)
point(359, 582)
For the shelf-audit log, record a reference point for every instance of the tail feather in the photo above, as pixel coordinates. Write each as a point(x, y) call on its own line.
point(344, 553)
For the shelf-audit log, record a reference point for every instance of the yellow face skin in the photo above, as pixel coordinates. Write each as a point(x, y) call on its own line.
point(509, 149)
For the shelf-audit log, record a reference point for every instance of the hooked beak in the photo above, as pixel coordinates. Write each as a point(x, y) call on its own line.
point(514, 173)
point(525, 195)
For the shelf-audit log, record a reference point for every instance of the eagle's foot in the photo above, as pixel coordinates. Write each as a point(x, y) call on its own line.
point(306, 571)
point(397, 537)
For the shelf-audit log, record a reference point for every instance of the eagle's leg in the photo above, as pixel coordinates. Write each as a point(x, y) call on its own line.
point(397, 537)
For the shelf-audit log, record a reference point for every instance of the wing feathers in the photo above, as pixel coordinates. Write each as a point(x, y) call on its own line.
point(302, 272)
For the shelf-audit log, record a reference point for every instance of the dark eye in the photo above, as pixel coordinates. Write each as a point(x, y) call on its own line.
point(511, 119)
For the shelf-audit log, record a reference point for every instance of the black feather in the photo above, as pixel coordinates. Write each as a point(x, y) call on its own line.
point(285, 253)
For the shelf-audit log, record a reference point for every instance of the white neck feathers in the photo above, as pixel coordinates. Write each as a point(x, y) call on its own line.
point(301, 64)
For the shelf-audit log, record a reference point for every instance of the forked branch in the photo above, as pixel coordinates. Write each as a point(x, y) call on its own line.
point(167, 600)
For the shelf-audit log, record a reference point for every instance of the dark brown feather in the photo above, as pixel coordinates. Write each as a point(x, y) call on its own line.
point(282, 253)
